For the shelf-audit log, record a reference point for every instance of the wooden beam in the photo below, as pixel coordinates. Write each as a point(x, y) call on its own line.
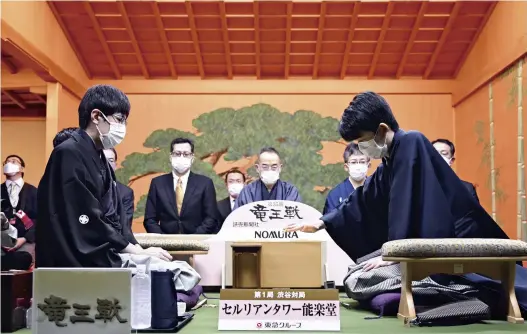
point(194, 33)
point(226, 45)
point(281, 87)
point(130, 30)
point(482, 25)
point(378, 48)
point(71, 40)
point(351, 33)
point(288, 38)
point(15, 99)
point(40, 98)
point(442, 40)
point(32, 112)
point(38, 90)
point(163, 35)
point(11, 68)
point(412, 38)
point(257, 39)
point(320, 35)
point(102, 40)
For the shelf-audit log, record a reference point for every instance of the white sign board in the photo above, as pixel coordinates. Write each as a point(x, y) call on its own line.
point(266, 220)
point(287, 310)
point(81, 301)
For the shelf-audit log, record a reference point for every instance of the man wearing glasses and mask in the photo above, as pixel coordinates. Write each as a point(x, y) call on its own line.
point(181, 202)
point(80, 215)
point(268, 187)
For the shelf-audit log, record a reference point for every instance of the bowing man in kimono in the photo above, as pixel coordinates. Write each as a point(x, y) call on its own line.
point(80, 215)
point(412, 194)
point(268, 186)
point(356, 164)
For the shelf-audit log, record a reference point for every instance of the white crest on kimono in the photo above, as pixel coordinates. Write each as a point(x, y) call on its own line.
point(83, 219)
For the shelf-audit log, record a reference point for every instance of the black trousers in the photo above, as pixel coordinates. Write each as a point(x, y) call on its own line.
point(16, 260)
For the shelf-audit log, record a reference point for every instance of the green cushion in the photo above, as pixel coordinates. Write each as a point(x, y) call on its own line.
point(423, 248)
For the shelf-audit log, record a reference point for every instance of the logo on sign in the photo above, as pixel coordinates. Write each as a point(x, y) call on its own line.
point(275, 235)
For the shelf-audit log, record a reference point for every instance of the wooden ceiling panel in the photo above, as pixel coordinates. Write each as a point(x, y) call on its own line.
point(272, 39)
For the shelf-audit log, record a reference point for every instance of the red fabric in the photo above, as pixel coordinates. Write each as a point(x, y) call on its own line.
point(28, 223)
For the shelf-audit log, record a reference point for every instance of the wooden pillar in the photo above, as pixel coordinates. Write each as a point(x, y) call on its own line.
point(54, 92)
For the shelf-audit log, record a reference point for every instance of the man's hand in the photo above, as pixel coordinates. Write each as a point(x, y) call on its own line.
point(375, 263)
point(160, 253)
point(19, 243)
point(306, 228)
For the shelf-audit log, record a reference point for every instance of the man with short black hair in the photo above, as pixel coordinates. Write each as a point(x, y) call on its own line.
point(63, 135)
point(268, 186)
point(181, 202)
point(413, 194)
point(235, 181)
point(357, 165)
point(447, 150)
point(80, 215)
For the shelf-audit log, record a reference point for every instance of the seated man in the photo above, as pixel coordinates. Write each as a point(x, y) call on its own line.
point(12, 259)
point(80, 215)
point(181, 202)
point(126, 194)
point(235, 181)
point(412, 194)
point(19, 204)
point(356, 164)
point(447, 150)
point(268, 186)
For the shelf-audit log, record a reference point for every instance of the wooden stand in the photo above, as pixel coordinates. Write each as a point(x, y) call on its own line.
point(187, 255)
point(294, 264)
point(246, 266)
point(15, 285)
point(414, 269)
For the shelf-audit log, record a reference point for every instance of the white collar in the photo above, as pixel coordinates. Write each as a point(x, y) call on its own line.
point(19, 182)
point(184, 177)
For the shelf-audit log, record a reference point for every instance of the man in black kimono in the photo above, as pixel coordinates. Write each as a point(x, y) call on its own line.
point(78, 206)
point(447, 150)
point(412, 194)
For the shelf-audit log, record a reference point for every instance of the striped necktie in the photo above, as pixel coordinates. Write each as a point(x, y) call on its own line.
point(179, 195)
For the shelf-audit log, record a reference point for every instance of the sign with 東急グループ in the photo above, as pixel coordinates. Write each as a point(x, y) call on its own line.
point(81, 301)
point(279, 309)
point(266, 220)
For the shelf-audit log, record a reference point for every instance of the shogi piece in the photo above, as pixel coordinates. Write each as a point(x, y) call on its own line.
point(420, 258)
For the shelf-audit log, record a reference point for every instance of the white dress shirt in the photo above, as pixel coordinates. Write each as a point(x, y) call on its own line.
point(13, 189)
point(184, 181)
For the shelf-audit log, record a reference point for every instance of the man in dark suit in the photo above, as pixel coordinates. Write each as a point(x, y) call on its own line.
point(447, 150)
point(80, 215)
point(126, 194)
point(235, 181)
point(19, 204)
point(181, 202)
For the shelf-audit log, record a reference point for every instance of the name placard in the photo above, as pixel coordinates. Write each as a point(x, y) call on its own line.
point(266, 220)
point(279, 309)
point(81, 301)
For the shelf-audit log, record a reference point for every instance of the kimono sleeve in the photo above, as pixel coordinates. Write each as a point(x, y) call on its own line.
point(293, 194)
point(79, 210)
point(358, 225)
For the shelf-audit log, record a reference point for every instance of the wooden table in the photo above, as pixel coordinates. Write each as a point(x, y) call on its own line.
point(190, 255)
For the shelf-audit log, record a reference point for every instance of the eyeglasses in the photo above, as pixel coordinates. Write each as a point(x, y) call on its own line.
point(271, 167)
point(181, 154)
point(355, 162)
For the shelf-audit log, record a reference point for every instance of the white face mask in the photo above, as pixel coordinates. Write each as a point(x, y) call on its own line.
point(10, 169)
point(372, 149)
point(447, 160)
point(181, 164)
point(114, 136)
point(269, 177)
point(235, 189)
point(357, 172)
